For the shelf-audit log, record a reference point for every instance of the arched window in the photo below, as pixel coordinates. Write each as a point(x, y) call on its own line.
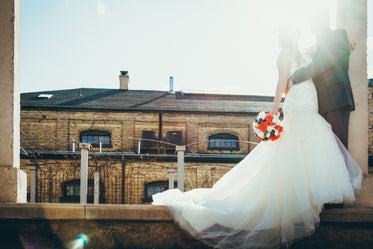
point(152, 188)
point(95, 136)
point(223, 141)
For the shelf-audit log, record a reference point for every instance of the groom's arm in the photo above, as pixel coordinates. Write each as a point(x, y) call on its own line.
point(331, 55)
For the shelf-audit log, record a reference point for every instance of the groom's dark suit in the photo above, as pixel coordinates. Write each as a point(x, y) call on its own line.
point(329, 72)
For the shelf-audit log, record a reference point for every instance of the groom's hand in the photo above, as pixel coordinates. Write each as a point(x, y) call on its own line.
point(352, 46)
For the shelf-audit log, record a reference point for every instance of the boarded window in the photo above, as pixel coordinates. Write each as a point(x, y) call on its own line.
point(148, 135)
point(174, 137)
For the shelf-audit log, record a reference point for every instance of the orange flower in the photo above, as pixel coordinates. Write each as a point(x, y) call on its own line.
point(269, 117)
point(262, 126)
point(274, 138)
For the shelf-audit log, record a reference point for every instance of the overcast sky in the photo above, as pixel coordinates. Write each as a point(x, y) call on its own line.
point(220, 46)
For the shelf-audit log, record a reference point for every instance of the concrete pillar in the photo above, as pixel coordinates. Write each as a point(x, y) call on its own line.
point(13, 181)
point(84, 172)
point(171, 176)
point(33, 170)
point(352, 16)
point(180, 167)
point(96, 188)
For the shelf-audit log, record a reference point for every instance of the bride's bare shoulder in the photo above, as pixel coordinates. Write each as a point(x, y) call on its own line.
point(285, 56)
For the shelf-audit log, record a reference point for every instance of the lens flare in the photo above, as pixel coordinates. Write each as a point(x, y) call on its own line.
point(80, 242)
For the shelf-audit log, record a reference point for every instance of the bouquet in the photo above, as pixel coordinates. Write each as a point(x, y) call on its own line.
point(267, 126)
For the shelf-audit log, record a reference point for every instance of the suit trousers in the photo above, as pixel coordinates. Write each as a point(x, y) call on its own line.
point(339, 120)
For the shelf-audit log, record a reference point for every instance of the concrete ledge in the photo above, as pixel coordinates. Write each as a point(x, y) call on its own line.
point(42, 211)
point(84, 212)
point(348, 215)
point(146, 226)
point(128, 212)
point(140, 212)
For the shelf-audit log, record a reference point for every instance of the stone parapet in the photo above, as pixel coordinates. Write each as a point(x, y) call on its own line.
point(147, 226)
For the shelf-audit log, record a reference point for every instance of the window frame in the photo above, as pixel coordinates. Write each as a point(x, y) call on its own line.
point(148, 198)
point(96, 133)
point(223, 136)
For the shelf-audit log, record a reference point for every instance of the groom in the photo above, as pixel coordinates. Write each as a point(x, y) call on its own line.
point(329, 72)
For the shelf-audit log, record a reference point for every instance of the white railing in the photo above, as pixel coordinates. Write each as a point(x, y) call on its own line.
point(85, 147)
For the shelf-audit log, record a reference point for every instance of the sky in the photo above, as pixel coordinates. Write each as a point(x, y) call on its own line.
point(210, 46)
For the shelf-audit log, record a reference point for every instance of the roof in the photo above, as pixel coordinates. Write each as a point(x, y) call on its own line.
point(144, 100)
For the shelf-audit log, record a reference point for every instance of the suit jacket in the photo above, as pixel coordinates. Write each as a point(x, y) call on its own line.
point(329, 72)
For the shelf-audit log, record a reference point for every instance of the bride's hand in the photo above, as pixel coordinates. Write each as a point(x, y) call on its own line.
point(274, 111)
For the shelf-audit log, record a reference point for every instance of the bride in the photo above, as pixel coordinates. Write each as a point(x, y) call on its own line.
point(276, 193)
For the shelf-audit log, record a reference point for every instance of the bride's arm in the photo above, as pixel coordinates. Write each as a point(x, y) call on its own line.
point(283, 66)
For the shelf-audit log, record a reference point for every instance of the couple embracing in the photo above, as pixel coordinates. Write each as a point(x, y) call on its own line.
point(274, 196)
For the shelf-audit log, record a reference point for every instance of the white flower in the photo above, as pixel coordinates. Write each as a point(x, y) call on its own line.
point(260, 134)
point(275, 119)
point(262, 115)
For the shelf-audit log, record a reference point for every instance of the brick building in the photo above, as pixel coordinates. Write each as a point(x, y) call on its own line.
point(211, 125)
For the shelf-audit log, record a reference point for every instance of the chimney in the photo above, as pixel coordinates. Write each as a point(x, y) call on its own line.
point(124, 80)
point(171, 85)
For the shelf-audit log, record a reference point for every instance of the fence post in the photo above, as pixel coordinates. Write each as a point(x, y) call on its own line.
point(139, 146)
point(33, 169)
point(96, 188)
point(84, 171)
point(180, 167)
point(74, 141)
point(171, 175)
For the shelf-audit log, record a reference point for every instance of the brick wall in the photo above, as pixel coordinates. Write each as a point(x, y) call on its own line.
point(67, 125)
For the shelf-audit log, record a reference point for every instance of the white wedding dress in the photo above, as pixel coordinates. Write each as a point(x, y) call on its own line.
point(274, 195)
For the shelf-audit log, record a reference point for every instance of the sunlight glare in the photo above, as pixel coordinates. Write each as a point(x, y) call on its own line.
point(294, 12)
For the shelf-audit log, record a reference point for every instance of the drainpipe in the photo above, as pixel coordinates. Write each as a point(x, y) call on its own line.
point(160, 130)
point(123, 178)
